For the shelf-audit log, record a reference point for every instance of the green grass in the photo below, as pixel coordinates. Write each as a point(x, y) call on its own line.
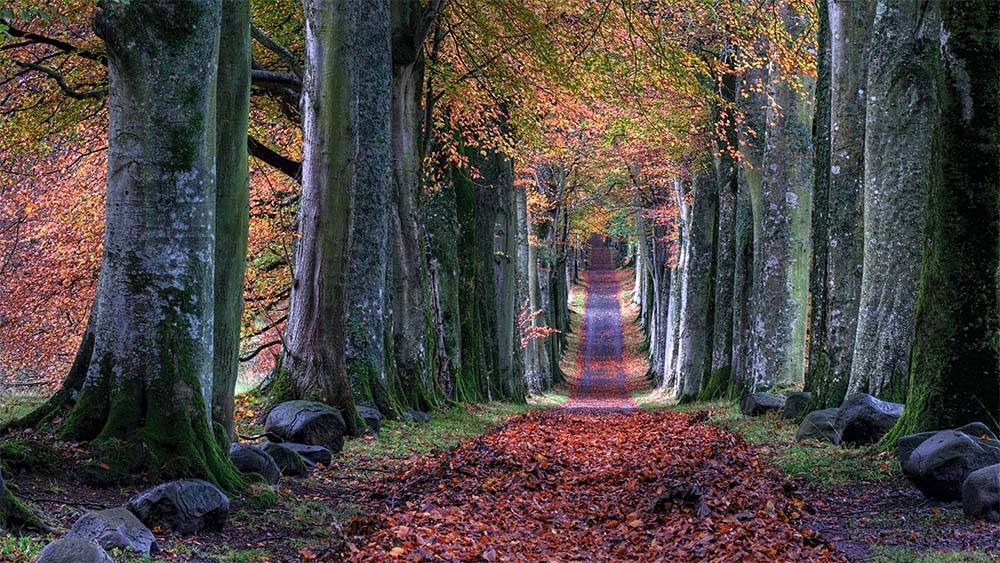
point(447, 428)
point(820, 463)
point(882, 554)
point(13, 406)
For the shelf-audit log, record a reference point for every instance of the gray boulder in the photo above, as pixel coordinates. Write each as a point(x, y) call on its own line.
point(249, 459)
point(981, 494)
point(73, 550)
point(940, 465)
point(819, 425)
point(184, 507)
point(756, 404)
point(906, 444)
point(307, 422)
point(312, 455)
point(417, 416)
point(371, 416)
point(863, 419)
point(288, 460)
point(796, 404)
point(115, 528)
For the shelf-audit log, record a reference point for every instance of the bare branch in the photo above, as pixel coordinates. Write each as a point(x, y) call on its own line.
point(61, 81)
point(271, 45)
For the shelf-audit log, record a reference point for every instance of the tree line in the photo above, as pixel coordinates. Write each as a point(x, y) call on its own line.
point(841, 234)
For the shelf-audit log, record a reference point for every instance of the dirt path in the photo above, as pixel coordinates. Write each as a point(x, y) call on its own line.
point(595, 481)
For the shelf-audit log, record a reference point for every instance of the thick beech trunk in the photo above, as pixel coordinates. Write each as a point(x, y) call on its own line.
point(898, 152)
point(781, 254)
point(473, 382)
point(510, 372)
point(146, 399)
point(14, 516)
point(672, 381)
point(315, 333)
point(837, 212)
point(367, 291)
point(536, 363)
point(696, 287)
point(441, 219)
point(232, 204)
point(956, 355)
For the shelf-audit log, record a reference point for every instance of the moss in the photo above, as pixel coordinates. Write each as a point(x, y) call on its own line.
point(24, 456)
point(717, 385)
point(261, 496)
point(15, 516)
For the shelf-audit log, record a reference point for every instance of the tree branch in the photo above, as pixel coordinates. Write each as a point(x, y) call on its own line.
point(281, 163)
point(58, 44)
point(271, 45)
point(61, 81)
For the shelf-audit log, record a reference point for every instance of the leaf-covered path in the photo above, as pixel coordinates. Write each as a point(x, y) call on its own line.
point(596, 480)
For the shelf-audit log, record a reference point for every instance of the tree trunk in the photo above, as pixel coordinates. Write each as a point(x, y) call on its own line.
point(473, 382)
point(441, 219)
point(487, 200)
point(536, 363)
point(696, 287)
point(367, 291)
point(956, 355)
point(781, 255)
point(146, 399)
point(509, 372)
point(409, 271)
point(232, 205)
point(898, 153)
point(671, 354)
point(14, 516)
point(837, 205)
point(315, 333)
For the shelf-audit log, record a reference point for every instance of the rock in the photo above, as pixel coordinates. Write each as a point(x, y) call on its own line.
point(371, 416)
point(819, 425)
point(756, 404)
point(417, 416)
point(73, 550)
point(863, 419)
point(312, 455)
point(185, 506)
point(115, 528)
point(796, 404)
point(306, 422)
point(288, 460)
point(940, 465)
point(906, 444)
point(249, 459)
point(981, 494)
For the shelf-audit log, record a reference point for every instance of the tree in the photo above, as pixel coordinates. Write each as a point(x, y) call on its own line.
point(898, 153)
point(145, 402)
point(835, 279)
point(315, 335)
point(956, 356)
point(232, 204)
point(15, 516)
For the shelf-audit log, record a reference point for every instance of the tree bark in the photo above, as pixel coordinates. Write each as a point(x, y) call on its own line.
point(696, 287)
point(315, 333)
point(369, 258)
point(835, 279)
point(232, 205)
point(441, 219)
point(14, 516)
point(781, 254)
point(898, 152)
point(956, 355)
point(146, 399)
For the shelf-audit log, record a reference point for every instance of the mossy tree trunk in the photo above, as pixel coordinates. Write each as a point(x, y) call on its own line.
point(232, 204)
point(441, 220)
point(14, 516)
point(835, 279)
point(898, 123)
point(368, 274)
point(473, 382)
point(781, 256)
point(696, 285)
point(146, 399)
point(510, 372)
point(956, 353)
point(315, 333)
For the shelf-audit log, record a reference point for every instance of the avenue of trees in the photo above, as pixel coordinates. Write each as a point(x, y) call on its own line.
point(383, 203)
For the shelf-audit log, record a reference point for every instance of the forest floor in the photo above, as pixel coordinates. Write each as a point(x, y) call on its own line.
point(587, 473)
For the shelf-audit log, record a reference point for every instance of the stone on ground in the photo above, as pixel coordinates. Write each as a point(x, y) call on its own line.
point(906, 444)
point(115, 528)
point(307, 422)
point(981, 494)
point(756, 404)
point(371, 416)
point(288, 460)
point(819, 425)
point(184, 507)
point(863, 419)
point(796, 404)
point(312, 455)
point(940, 465)
point(417, 416)
point(249, 459)
point(73, 550)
